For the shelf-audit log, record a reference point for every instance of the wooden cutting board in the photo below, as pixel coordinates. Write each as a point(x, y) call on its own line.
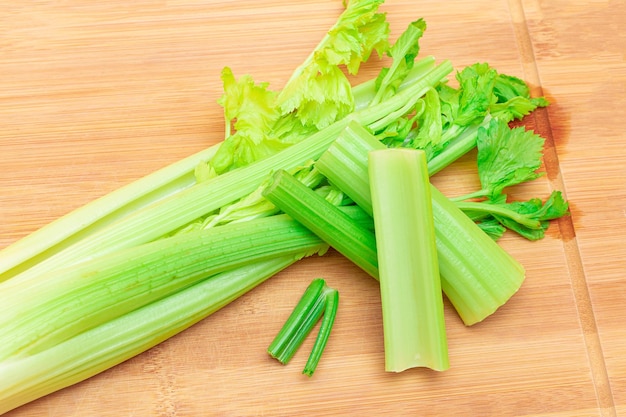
point(96, 94)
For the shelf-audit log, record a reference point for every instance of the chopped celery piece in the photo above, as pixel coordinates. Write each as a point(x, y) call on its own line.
point(477, 275)
point(27, 378)
point(410, 288)
point(318, 299)
point(299, 323)
point(328, 319)
point(63, 303)
point(327, 221)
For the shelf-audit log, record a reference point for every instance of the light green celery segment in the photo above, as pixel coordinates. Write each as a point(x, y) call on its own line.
point(353, 240)
point(175, 211)
point(69, 301)
point(477, 275)
point(410, 288)
point(28, 377)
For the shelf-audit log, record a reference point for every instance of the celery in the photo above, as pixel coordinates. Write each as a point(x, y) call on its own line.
point(27, 378)
point(477, 275)
point(412, 303)
point(328, 319)
point(66, 302)
point(318, 300)
point(336, 228)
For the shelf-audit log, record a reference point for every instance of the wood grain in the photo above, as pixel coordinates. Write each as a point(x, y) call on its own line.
point(95, 95)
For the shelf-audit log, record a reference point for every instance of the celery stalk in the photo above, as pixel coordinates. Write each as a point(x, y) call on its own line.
point(477, 275)
point(410, 288)
point(173, 212)
point(63, 303)
point(327, 221)
point(27, 378)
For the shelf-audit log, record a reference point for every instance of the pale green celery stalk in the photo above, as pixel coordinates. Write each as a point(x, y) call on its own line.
point(109, 208)
point(410, 288)
point(477, 275)
point(175, 211)
point(327, 221)
point(95, 215)
point(27, 378)
point(66, 302)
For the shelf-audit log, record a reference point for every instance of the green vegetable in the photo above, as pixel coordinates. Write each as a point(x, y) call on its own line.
point(318, 300)
point(335, 227)
point(477, 275)
point(133, 268)
point(410, 289)
point(508, 157)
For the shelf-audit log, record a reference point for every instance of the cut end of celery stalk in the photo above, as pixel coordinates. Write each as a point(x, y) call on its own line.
point(411, 297)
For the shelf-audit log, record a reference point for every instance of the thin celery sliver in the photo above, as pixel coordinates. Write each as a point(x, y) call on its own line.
point(328, 319)
point(300, 322)
point(318, 300)
point(412, 302)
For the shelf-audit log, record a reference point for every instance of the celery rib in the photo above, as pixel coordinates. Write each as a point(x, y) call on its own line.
point(318, 300)
point(336, 228)
point(300, 322)
point(410, 288)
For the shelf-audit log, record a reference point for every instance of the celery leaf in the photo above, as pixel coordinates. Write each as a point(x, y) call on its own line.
point(318, 91)
point(507, 156)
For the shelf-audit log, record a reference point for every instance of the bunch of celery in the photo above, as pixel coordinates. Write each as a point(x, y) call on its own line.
point(129, 270)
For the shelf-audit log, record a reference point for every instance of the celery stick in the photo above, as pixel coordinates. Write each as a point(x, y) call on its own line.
point(330, 312)
point(63, 303)
point(410, 287)
point(175, 211)
point(300, 322)
point(318, 299)
point(336, 228)
point(27, 378)
point(477, 275)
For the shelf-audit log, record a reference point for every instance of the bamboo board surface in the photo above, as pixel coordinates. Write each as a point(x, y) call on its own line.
point(94, 95)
